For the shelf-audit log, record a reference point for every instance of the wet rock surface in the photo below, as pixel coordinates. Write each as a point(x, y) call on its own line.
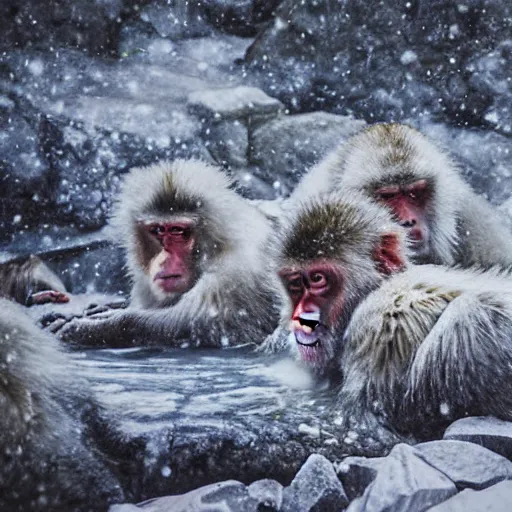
point(492, 433)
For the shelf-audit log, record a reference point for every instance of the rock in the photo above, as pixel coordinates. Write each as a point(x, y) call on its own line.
point(487, 431)
point(268, 493)
point(240, 17)
point(228, 143)
point(485, 158)
point(315, 488)
point(383, 62)
point(466, 464)
point(66, 23)
point(248, 104)
point(175, 20)
point(404, 482)
point(490, 78)
point(493, 499)
point(230, 495)
point(287, 146)
point(357, 473)
point(25, 175)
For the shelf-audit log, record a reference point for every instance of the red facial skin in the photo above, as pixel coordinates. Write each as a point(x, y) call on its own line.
point(176, 270)
point(408, 203)
point(315, 288)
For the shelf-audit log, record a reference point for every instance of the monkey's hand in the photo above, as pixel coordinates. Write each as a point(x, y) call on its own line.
point(47, 296)
point(95, 309)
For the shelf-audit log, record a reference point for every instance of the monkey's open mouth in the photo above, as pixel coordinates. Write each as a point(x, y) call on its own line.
point(310, 331)
point(311, 320)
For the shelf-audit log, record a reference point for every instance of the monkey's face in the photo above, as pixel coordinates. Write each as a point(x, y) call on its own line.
point(409, 204)
point(172, 268)
point(316, 295)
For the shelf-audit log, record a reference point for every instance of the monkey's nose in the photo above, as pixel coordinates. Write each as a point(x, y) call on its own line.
point(409, 223)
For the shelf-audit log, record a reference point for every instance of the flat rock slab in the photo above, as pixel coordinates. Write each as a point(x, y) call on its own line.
point(404, 482)
point(466, 464)
point(490, 432)
point(497, 498)
point(187, 418)
point(233, 103)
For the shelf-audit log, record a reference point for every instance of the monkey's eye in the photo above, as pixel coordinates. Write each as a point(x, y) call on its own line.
point(386, 196)
point(181, 233)
point(157, 230)
point(294, 285)
point(318, 279)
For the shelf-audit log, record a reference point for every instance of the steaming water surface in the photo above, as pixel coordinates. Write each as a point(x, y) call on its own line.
point(148, 388)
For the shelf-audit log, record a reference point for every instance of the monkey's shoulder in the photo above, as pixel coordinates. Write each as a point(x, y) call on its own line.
point(395, 319)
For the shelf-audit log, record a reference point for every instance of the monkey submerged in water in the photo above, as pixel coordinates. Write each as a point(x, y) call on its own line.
point(417, 346)
point(44, 462)
point(29, 281)
point(400, 168)
point(196, 252)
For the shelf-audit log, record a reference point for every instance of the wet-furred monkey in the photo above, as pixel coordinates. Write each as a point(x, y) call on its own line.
point(197, 255)
point(45, 461)
point(397, 166)
point(417, 346)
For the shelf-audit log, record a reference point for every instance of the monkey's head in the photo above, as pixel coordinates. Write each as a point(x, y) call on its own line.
point(401, 169)
point(172, 223)
point(332, 254)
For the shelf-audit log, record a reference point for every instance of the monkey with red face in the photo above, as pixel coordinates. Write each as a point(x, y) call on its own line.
point(196, 252)
point(397, 166)
point(417, 346)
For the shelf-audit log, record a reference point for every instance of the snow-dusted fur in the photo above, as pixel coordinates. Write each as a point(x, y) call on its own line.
point(465, 228)
point(43, 463)
point(231, 302)
point(419, 348)
point(432, 345)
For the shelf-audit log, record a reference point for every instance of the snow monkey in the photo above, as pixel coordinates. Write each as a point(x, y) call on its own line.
point(44, 464)
point(418, 346)
point(397, 166)
point(29, 281)
point(196, 252)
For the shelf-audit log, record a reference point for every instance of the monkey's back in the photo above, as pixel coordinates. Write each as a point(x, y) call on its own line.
point(433, 344)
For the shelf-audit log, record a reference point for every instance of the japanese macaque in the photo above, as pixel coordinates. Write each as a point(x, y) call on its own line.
point(196, 252)
point(44, 463)
point(397, 166)
point(417, 346)
point(29, 281)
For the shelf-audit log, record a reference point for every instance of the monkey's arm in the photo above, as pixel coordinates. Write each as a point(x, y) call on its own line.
point(120, 329)
point(164, 327)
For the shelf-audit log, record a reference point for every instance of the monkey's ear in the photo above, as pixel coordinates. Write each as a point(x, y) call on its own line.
point(388, 254)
